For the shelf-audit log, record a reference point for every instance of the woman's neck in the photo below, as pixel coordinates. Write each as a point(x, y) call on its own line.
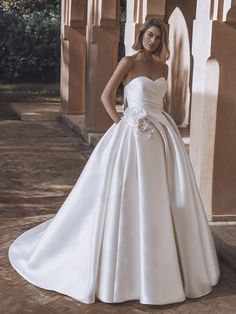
point(146, 56)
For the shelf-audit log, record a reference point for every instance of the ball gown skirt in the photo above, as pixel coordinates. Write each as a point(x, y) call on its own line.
point(133, 226)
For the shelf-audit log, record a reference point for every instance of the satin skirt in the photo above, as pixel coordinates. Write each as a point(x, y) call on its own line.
point(133, 226)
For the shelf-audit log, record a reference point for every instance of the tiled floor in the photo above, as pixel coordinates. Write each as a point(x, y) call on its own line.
point(39, 163)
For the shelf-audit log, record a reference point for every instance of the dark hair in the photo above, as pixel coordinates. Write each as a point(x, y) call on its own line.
point(162, 50)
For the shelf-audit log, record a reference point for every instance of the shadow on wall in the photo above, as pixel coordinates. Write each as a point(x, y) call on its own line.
point(180, 68)
point(177, 96)
point(208, 131)
point(64, 70)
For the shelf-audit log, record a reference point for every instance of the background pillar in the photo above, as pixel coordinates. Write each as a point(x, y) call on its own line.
point(102, 40)
point(73, 55)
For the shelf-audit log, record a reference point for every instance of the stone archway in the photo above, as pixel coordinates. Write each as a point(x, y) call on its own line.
point(179, 64)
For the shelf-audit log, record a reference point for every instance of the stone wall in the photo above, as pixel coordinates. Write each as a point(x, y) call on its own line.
point(201, 81)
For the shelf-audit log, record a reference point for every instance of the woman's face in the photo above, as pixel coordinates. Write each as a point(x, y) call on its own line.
point(151, 38)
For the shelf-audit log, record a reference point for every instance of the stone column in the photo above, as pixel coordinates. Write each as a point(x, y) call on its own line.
point(73, 55)
point(213, 113)
point(137, 12)
point(102, 40)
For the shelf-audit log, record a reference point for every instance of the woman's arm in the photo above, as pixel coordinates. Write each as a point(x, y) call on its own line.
point(165, 72)
point(124, 66)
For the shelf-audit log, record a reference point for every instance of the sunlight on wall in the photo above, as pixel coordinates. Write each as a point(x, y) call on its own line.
point(179, 63)
point(209, 126)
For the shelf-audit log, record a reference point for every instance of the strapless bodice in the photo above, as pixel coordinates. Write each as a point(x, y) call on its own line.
point(145, 102)
point(146, 93)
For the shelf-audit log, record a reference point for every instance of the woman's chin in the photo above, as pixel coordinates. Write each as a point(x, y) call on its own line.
point(149, 49)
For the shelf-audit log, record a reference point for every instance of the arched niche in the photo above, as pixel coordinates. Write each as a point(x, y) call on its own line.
point(179, 68)
point(231, 17)
point(207, 132)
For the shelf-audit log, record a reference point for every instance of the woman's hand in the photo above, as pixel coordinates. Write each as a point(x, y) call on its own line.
point(117, 120)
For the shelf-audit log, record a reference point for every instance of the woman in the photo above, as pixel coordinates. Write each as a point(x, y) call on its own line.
point(133, 226)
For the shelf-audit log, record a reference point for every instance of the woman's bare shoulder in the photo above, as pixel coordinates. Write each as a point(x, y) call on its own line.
point(161, 63)
point(164, 67)
point(127, 62)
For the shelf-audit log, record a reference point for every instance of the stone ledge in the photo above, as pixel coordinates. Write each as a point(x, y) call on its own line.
point(225, 239)
point(77, 124)
point(46, 111)
point(30, 111)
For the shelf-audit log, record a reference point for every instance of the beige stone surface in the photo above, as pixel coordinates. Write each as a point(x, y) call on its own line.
point(213, 111)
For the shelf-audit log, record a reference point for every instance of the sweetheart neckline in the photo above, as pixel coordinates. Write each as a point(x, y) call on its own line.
point(140, 76)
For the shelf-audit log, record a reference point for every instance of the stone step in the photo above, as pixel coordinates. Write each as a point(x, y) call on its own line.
point(77, 124)
point(224, 234)
point(30, 111)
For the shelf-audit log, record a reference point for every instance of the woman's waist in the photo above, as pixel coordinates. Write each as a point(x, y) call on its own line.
point(149, 108)
point(142, 118)
point(135, 113)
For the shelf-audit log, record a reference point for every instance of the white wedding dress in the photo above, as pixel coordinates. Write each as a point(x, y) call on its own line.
point(133, 226)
